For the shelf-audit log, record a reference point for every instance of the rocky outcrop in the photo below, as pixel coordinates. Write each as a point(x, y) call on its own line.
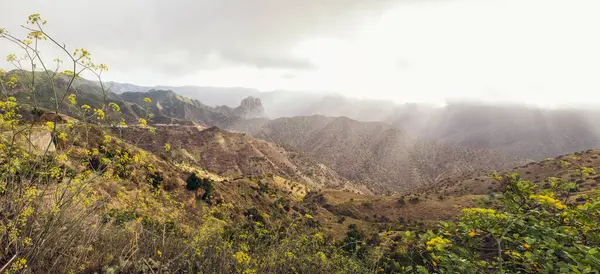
point(251, 107)
point(39, 142)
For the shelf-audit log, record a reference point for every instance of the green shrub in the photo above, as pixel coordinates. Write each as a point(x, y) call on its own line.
point(194, 182)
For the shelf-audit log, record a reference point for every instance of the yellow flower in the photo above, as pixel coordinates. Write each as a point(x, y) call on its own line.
point(99, 114)
point(50, 126)
point(437, 243)
point(526, 246)
point(62, 158)
point(322, 256)
point(242, 258)
point(18, 265)
point(107, 139)
point(114, 106)
point(147, 100)
point(86, 107)
point(478, 210)
point(289, 255)
point(142, 122)
point(471, 233)
point(11, 57)
point(63, 137)
point(318, 237)
point(72, 99)
point(549, 201)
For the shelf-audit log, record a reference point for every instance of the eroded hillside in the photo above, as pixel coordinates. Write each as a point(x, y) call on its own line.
point(377, 154)
point(233, 154)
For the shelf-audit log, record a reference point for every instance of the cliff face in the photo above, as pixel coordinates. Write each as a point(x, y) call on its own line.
point(251, 107)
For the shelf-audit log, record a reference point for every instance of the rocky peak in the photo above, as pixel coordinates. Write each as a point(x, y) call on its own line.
point(251, 107)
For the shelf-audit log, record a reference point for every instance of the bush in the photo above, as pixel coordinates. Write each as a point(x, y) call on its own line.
point(194, 182)
point(531, 232)
point(367, 203)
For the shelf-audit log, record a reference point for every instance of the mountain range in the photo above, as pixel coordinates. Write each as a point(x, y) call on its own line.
point(409, 145)
point(518, 130)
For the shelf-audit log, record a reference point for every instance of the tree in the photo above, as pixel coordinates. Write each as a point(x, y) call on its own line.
point(193, 182)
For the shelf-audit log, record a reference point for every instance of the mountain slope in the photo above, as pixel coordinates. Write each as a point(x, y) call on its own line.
point(565, 167)
point(166, 107)
point(233, 154)
point(165, 103)
point(515, 130)
point(376, 154)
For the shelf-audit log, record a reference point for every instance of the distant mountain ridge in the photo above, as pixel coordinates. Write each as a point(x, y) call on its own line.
point(377, 154)
point(519, 130)
point(165, 106)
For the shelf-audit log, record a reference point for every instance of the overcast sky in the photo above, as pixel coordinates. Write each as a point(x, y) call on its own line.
point(537, 51)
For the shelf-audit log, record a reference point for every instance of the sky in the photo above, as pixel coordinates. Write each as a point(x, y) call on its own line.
point(541, 52)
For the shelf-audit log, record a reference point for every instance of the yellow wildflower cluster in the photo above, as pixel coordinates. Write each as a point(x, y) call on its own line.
point(322, 256)
point(63, 137)
point(242, 258)
point(319, 238)
point(107, 139)
point(142, 122)
point(62, 158)
point(438, 243)
point(18, 265)
point(50, 126)
point(72, 99)
point(549, 201)
point(290, 255)
point(35, 18)
point(82, 54)
point(37, 35)
point(9, 116)
point(12, 82)
point(477, 210)
point(147, 100)
point(99, 114)
point(114, 106)
point(11, 58)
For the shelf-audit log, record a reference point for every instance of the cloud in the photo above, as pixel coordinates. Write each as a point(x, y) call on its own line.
point(539, 51)
point(184, 36)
